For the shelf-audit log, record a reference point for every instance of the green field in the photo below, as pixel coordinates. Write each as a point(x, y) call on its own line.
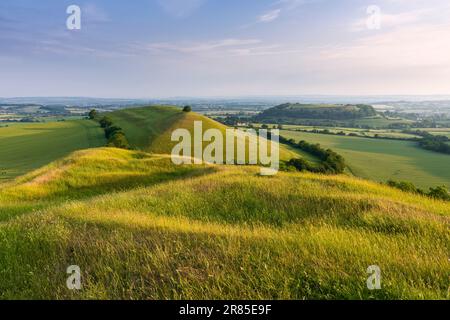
point(381, 160)
point(438, 131)
point(140, 227)
point(24, 147)
point(384, 133)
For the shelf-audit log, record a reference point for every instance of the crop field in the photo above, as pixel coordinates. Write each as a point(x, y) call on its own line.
point(387, 133)
point(140, 227)
point(381, 160)
point(24, 147)
point(438, 131)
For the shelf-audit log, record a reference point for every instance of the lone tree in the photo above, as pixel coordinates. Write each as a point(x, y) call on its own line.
point(187, 109)
point(92, 114)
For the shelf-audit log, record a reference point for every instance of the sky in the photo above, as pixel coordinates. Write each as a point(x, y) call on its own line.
point(207, 48)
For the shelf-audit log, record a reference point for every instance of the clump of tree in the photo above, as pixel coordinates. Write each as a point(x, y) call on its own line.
point(293, 111)
point(436, 143)
point(330, 161)
point(440, 192)
point(92, 114)
point(115, 135)
point(187, 109)
point(431, 142)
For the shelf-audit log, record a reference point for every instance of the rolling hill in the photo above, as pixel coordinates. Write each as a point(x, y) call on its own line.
point(150, 128)
point(290, 112)
point(140, 227)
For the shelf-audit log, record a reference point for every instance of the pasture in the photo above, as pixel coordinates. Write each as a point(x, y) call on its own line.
point(25, 147)
point(381, 160)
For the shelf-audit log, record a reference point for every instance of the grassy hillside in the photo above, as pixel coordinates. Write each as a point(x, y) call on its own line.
point(140, 227)
point(25, 147)
point(150, 128)
point(381, 160)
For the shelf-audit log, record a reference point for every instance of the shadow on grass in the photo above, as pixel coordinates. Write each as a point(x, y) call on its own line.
point(75, 193)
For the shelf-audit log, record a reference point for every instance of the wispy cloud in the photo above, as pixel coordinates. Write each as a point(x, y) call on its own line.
point(202, 47)
point(270, 16)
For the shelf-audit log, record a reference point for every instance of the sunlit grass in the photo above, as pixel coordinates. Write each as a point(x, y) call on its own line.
point(142, 228)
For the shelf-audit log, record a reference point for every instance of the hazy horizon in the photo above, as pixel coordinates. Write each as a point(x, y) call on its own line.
point(165, 49)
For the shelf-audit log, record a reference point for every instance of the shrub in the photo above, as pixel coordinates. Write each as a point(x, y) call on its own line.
point(118, 140)
point(93, 114)
point(440, 192)
point(404, 186)
point(105, 122)
point(110, 131)
point(299, 164)
point(187, 109)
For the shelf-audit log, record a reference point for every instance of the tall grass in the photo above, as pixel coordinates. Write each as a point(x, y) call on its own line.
point(141, 228)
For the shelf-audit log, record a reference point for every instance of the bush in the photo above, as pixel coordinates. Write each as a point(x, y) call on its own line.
point(300, 164)
point(118, 140)
point(110, 131)
point(105, 122)
point(115, 135)
point(187, 109)
point(93, 114)
point(440, 193)
point(404, 186)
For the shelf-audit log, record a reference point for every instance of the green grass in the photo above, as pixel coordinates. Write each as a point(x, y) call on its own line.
point(150, 128)
point(141, 228)
point(25, 147)
point(381, 160)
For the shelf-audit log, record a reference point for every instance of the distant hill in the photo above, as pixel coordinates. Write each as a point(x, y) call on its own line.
point(289, 112)
point(150, 128)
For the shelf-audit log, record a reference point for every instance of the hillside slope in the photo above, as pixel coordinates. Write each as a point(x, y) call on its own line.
point(26, 147)
point(150, 128)
point(140, 227)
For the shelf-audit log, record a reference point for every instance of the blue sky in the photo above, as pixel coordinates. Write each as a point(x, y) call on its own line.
point(167, 48)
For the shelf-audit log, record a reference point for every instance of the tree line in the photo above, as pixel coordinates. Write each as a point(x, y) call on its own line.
point(114, 134)
point(439, 192)
point(432, 142)
point(330, 161)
